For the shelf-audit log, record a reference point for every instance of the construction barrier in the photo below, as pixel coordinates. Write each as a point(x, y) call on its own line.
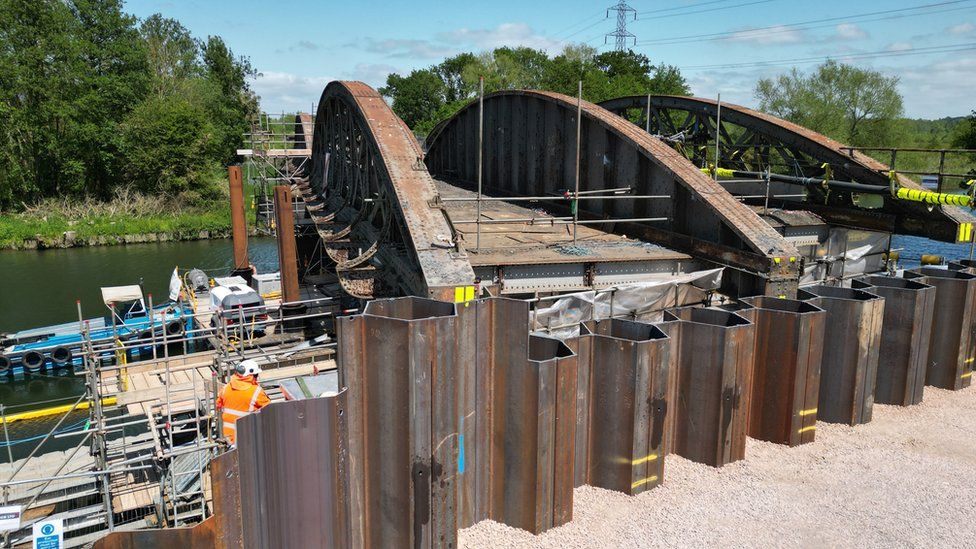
point(951, 346)
point(852, 340)
point(786, 381)
point(905, 334)
point(712, 383)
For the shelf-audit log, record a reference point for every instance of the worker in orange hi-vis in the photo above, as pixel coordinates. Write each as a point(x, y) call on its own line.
point(240, 397)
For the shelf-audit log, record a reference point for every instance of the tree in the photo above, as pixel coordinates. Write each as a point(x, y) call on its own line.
point(965, 137)
point(427, 96)
point(853, 105)
point(451, 72)
point(78, 84)
point(163, 139)
point(67, 77)
point(234, 104)
point(417, 96)
point(172, 52)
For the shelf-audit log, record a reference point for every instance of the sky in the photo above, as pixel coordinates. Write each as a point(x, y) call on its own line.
point(721, 46)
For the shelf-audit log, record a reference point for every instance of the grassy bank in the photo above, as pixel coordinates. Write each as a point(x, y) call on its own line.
point(127, 218)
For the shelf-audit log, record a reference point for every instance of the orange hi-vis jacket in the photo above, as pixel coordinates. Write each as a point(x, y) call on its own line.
point(239, 398)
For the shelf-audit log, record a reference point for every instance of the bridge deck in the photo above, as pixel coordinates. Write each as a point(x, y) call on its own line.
point(540, 241)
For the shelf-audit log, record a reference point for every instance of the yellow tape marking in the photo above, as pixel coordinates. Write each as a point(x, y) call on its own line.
point(805, 429)
point(811, 411)
point(969, 360)
point(967, 374)
point(644, 481)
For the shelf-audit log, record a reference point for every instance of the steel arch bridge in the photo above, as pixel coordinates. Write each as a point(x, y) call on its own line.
point(371, 199)
point(753, 141)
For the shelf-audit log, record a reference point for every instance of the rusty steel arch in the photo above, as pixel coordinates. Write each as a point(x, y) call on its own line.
point(374, 203)
point(754, 141)
point(529, 150)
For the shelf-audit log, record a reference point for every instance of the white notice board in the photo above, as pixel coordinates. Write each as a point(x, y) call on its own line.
point(10, 518)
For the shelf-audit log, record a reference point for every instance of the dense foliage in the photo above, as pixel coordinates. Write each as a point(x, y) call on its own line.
point(853, 105)
point(426, 96)
point(91, 99)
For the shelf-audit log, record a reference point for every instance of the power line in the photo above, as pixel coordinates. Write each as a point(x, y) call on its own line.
point(621, 35)
point(574, 25)
point(776, 29)
point(661, 10)
point(818, 59)
point(707, 10)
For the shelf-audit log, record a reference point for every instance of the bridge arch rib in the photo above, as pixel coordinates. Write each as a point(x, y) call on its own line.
point(374, 203)
point(754, 141)
point(529, 150)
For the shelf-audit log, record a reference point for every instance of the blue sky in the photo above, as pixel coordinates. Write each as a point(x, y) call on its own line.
point(718, 44)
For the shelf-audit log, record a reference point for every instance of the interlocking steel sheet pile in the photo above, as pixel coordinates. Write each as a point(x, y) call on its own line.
point(850, 360)
point(453, 413)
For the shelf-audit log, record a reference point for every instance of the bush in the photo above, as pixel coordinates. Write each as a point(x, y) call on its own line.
point(164, 140)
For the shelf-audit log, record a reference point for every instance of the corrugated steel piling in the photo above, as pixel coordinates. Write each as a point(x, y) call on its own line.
point(786, 382)
point(533, 436)
point(713, 384)
point(293, 474)
point(628, 369)
point(399, 362)
point(951, 353)
point(905, 334)
point(850, 360)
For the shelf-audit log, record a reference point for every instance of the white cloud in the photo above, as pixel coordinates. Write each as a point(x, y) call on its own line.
point(405, 48)
point(849, 31)
point(780, 34)
point(506, 34)
point(286, 92)
point(372, 74)
point(935, 90)
point(961, 28)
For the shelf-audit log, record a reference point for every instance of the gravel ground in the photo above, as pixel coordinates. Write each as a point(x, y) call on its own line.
point(907, 479)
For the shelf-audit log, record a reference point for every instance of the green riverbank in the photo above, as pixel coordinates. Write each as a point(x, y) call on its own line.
point(32, 232)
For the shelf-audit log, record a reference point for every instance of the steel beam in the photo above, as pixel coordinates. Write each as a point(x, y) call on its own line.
point(287, 256)
point(786, 384)
point(951, 352)
point(238, 219)
point(905, 334)
point(712, 383)
point(852, 341)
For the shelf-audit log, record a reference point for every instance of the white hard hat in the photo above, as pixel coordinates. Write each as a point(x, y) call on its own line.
point(248, 368)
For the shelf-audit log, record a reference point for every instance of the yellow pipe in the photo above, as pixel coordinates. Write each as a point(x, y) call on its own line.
point(55, 410)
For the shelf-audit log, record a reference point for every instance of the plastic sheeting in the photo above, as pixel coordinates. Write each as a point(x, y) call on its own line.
point(643, 301)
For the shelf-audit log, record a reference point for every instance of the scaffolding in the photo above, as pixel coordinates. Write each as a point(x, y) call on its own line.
point(141, 459)
point(278, 152)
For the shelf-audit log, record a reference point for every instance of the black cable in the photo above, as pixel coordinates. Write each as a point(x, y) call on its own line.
point(776, 29)
point(867, 55)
